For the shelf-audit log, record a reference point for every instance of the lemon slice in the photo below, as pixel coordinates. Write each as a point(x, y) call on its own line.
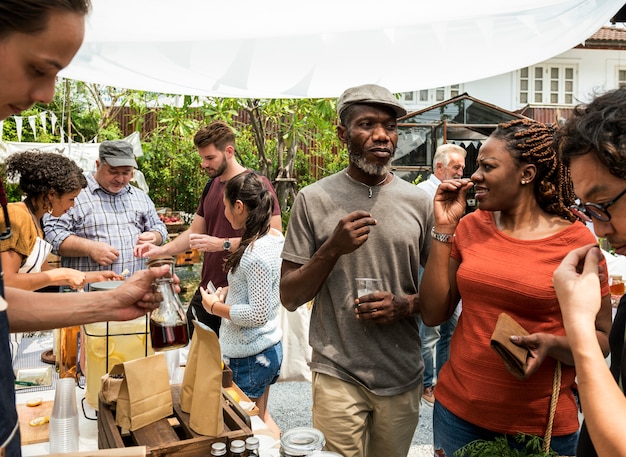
point(97, 346)
point(38, 421)
point(34, 402)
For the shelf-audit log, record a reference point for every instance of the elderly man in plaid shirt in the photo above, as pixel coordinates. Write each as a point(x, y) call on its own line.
point(110, 217)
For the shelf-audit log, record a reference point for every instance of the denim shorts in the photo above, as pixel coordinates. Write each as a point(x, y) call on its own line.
point(255, 373)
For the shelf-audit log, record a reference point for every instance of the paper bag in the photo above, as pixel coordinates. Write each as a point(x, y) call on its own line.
point(201, 390)
point(296, 348)
point(513, 355)
point(144, 396)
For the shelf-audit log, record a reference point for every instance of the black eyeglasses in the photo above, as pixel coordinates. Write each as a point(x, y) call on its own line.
point(595, 210)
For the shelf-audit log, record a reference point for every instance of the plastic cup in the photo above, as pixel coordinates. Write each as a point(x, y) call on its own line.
point(366, 286)
point(64, 418)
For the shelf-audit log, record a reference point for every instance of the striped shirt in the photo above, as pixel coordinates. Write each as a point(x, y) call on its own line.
point(115, 219)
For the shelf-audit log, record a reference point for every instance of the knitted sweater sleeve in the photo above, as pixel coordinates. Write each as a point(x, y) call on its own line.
point(256, 274)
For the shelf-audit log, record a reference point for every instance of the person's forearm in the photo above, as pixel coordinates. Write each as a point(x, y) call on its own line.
point(75, 246)
point(603, 403)
point(32, 311)
point(298, 285)
point(33, 281)
point(177, 245)
point(436, 297)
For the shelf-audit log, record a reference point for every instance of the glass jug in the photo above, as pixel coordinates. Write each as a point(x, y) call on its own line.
point(168, 323)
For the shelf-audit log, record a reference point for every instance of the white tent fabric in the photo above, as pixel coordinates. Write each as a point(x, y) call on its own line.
point(292, 49)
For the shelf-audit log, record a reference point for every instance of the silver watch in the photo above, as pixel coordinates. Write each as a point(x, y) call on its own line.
point(226, 245)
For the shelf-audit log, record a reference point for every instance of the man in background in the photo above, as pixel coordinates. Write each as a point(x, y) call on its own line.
point(109, 218)
point(210, 231)
point(448, 163)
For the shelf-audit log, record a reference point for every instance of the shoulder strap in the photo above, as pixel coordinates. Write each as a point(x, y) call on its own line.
point(206, 188)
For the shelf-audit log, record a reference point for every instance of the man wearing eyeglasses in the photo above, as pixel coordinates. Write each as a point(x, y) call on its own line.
point(593, 144)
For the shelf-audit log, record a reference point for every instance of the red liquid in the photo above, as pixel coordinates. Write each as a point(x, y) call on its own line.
point(168, 337)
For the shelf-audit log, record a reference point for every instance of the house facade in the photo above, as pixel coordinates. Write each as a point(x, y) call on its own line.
point(465, 114)
point(570, 78)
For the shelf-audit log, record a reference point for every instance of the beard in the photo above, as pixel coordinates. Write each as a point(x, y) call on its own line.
point(368, 167)
point(219, 171)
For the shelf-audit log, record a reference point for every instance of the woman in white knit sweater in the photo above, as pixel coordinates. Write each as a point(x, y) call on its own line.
point(250, 334)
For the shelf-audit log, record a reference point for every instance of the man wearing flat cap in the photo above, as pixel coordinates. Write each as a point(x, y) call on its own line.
point(362, 222)
point(109, 218)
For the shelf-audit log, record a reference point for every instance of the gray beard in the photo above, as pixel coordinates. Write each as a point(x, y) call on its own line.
point(368, 167)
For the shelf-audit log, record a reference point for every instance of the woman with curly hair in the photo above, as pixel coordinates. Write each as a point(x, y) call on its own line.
point(50, 182)
point(500, 259)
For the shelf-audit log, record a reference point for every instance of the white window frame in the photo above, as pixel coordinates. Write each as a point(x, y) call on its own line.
point(620, 76)
point(548, 83)
point(433, 96)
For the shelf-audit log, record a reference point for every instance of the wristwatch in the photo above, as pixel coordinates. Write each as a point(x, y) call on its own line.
point(226, 245)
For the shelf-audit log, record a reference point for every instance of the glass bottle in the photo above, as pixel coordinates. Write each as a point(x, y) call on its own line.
point(252, 446)
point(237, 448)
point(168, 323)
point(218, 449)
point(617, 285)
point(69, 351)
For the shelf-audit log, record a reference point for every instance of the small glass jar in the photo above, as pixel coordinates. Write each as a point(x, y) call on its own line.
point(252, 446)
point(168, 323)
point(237, 448)
point(218, 449)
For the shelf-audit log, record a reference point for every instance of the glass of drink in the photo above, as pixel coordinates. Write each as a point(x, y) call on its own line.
point(366, 286)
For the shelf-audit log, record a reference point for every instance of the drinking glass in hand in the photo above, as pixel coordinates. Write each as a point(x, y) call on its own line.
point(366, 286)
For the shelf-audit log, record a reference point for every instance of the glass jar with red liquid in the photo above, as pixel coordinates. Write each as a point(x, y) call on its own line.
point(168, 323)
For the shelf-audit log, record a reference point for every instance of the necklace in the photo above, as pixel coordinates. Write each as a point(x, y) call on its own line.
point(369, 188)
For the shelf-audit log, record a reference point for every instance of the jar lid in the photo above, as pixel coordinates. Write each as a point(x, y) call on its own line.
point(237, 446)
point(158, 261)
point(218, 448)
point(302, 441)
point(252, 442)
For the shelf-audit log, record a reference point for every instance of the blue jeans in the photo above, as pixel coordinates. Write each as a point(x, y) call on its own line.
point(436, 346)
point(451, 433)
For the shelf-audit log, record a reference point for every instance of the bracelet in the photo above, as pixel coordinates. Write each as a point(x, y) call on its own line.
point(212, 305)
point(441, 237)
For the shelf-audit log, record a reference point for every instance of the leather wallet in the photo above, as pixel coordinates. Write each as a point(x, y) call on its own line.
point(514, 356)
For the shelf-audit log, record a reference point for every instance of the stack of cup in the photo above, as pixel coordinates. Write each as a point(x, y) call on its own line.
point(64, 418)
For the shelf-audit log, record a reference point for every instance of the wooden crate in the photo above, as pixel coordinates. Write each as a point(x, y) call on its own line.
point(188, 257)
point(173, 436)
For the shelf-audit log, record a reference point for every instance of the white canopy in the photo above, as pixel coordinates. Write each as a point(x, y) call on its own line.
point(291, 48)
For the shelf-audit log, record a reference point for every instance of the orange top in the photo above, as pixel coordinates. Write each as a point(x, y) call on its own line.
point(502, 274)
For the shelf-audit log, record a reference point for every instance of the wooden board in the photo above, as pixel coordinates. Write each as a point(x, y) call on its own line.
point(30, 434)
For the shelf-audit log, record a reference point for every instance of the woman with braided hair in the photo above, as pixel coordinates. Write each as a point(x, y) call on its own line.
point(250, 334)
point(500, 259)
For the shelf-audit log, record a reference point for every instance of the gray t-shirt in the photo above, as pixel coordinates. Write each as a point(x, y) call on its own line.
point(386, 359)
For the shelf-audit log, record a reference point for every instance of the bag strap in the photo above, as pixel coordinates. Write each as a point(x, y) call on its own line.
point(556, 387)
point(206, 189)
